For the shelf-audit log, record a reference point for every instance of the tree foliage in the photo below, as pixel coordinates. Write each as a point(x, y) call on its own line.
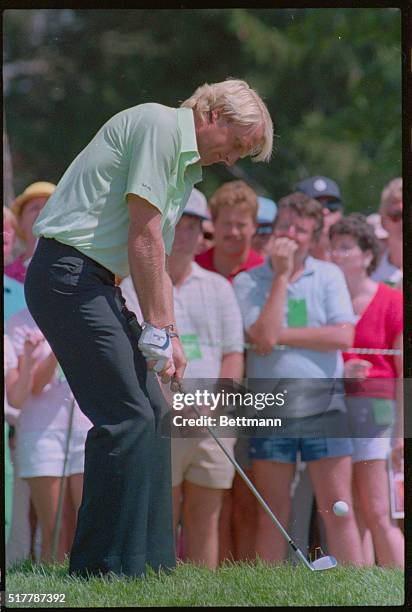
point(330, 77)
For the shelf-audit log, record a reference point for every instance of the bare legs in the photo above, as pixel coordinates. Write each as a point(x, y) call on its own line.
point(200, 508)
point(371, 482)
point(45, 495)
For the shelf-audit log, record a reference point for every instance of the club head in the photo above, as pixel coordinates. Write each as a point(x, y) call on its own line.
point(324, 563)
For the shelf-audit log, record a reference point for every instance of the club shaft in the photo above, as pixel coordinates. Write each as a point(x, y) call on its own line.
point(257, 495)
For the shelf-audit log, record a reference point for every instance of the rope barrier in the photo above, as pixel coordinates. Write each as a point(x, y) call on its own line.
point(284, 347)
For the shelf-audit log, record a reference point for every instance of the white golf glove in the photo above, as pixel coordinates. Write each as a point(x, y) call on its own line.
point(155, 345)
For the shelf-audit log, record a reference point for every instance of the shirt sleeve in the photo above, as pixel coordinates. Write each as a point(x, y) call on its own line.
point(338, 304)
point(232, 327)
point(247, 297)
point(153, 150)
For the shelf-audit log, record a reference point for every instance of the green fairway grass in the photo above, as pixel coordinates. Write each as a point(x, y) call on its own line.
point(231, 585)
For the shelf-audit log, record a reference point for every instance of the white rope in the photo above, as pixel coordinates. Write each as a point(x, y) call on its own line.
point(284, 347)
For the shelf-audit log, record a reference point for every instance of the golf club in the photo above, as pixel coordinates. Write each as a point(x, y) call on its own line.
point(57, 525)
point(323, 563)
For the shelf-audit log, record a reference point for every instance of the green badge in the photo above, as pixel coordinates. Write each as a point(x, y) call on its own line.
point(297, 313)
point(191, 346)
point(390, 283)
point(382, 411)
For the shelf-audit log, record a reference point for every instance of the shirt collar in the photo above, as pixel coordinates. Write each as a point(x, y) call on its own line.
point(188, 148)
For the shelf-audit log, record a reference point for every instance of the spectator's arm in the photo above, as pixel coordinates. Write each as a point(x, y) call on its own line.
point(232, 366)
point(19, 382)
point(266, 330)
point(325, 338)
point(43, 373)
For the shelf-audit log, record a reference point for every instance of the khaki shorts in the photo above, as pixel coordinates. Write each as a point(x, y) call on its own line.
point(202, 462)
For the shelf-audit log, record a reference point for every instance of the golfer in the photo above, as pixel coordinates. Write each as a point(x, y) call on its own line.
point(113, 212)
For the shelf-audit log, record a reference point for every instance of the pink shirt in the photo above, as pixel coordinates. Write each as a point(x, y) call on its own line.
point(16, 269)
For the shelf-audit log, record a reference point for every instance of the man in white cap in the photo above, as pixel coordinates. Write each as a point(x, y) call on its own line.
point(210, 327)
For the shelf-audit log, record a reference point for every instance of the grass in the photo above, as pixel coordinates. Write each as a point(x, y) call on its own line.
point(231, 585)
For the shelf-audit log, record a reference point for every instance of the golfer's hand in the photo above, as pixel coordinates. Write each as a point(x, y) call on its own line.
point(174, 367)
point(179, 360)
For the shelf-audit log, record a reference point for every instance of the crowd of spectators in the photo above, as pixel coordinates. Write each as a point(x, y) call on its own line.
point(249, 274)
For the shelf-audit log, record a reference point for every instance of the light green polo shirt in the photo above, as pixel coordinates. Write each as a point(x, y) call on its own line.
point(149, 150)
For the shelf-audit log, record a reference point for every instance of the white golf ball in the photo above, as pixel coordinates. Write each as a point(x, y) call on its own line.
point(340, 508)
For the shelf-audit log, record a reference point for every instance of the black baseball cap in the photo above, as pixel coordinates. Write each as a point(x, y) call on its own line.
point(322, 187)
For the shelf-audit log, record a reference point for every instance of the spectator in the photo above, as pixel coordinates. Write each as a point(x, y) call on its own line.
point(43, 398)
point(208, 235)
point(381, 234)
point(233, 208)
point(210, 326)
point(234, 211)
point(389, 270)
point(299, 301)
point(263, 238)
point(13, 290)
point(372, 405)
point(327, 192)
point(26, 208)
point(18, 543)
point(10, 362)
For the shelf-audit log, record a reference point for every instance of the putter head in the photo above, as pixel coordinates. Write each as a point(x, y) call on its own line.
point(324, 563)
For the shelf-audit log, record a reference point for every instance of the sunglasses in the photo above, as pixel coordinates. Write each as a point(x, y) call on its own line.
point(332, 205)
point(263, 230)
point(395, 216)
point(208, 235)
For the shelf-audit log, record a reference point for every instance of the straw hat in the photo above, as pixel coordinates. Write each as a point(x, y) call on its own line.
point(35, 190)
point(41, 189)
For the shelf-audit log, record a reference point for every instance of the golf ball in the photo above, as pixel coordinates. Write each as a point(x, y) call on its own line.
point(340, 508)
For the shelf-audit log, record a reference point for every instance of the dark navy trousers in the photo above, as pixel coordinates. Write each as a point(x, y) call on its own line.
point(125, 519)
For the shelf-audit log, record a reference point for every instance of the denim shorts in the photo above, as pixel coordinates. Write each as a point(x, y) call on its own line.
point(285, 450)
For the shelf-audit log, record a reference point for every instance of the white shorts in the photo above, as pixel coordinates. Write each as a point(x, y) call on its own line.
point(41, 453)
point(367, 449)
point(371, 422)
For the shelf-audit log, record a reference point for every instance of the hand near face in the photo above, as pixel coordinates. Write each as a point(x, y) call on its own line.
point(282, 257)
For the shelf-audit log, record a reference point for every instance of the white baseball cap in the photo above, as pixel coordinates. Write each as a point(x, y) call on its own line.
point(197, 206)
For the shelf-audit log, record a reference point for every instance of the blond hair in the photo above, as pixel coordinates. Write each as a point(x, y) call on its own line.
point(231, 194)
point(237, 103)
point(392, 192)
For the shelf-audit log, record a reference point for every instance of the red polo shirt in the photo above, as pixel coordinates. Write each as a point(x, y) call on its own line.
point(205, 260)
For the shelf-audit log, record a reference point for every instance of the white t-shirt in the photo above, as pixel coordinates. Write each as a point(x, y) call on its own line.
point(50, 410)
point(208, 319)
point(387, 272)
